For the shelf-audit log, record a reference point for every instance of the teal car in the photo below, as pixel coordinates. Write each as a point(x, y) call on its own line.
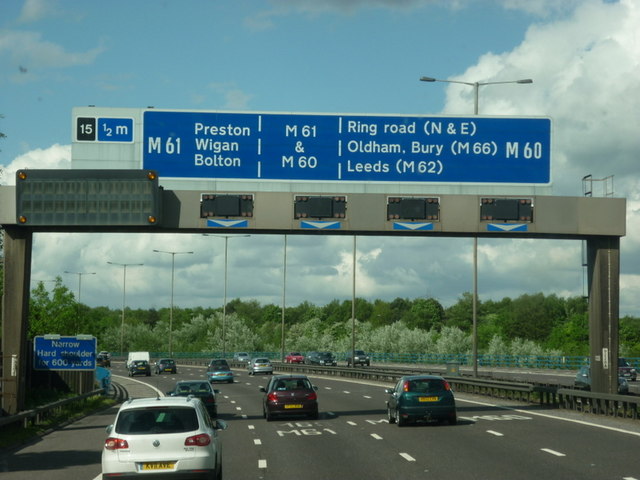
point(219, 371)
point(424, 398)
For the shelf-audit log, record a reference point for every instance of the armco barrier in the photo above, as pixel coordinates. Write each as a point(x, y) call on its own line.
point(39, 414)
point(623, 406)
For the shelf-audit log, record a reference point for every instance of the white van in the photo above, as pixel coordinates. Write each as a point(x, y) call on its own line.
point(137, 356)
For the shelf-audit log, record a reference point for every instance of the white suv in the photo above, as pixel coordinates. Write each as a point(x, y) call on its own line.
point(163, 436)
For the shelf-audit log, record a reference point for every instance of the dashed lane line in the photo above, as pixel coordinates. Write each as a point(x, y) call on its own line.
point(553, 452)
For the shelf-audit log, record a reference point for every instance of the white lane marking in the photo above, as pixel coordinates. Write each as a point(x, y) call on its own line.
point(158, 392)
point(526, 412)
point(238, 408)
point(629, 478)
point(244, 416)
point(232, 401)
point(553, 452)
point(497, 434)
point(366, 396)
point(251, 427)
point(351, 423)
point(346, 391)
point(376, 436)
point(262, 464)
point(257, 441)
point(407, 457)
point(547, 415)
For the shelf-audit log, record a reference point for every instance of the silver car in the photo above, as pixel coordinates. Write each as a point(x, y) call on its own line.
point(260, 365)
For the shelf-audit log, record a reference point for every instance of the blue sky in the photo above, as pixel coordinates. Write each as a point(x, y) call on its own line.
point(325, 56)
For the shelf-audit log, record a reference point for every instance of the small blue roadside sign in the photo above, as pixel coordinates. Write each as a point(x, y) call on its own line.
point(55, 352)
point(349, 147)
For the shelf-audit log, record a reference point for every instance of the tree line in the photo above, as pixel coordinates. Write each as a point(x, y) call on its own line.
point(534, 324)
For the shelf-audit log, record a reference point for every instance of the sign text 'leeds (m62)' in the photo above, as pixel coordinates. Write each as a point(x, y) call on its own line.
point(277, 146)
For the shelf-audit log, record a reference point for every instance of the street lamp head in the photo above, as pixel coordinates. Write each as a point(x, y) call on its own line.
point(525, 80)
point(427, 79)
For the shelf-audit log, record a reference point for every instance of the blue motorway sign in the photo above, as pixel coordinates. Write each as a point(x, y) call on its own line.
point(55, 352)
point(332, 147)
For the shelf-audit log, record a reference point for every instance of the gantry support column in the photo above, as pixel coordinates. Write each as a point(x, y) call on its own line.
point(603, 260)
point(15, 314)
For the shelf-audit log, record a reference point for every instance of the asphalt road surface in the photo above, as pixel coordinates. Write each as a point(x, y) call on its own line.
point(493, 440)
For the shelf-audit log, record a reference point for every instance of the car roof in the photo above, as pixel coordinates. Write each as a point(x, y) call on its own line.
point(422, 377)
point(158, 402)
point(287, 375)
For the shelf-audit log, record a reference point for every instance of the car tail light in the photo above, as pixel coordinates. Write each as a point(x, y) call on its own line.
point(446, 385)
point(113, 443)
point(405, 387)
point(209, 400)
point(312, 396)
point(272, 397)
point(201, 440)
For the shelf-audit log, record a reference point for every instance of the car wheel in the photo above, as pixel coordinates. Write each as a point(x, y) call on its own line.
point(453, 420)
point(390, 416)
point(269, 417)
point(399, 420)
point(231, 381)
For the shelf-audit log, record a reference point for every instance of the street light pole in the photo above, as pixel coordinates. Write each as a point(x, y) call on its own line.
point(124, 290)
point(476, 87)
point(173, 269)
point(476, 90)
point(224, 305)
point(80, 274)
point(353, 304)
point(284, 295)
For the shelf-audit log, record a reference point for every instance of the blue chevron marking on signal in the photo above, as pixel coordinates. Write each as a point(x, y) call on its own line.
point(412, 226)
point(320, 225)
point(507, 227)
point(227, 223)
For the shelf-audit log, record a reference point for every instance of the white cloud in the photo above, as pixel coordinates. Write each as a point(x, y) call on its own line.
point(34, 10)
point(596, 49)
point(56, 156)
point(30, 50)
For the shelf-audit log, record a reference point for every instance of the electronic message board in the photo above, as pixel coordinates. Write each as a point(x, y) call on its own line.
point(356, 148)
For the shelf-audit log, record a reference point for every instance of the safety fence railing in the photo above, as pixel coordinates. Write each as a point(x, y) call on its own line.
point(553, 362)
point(39, 415)
point(548, 396)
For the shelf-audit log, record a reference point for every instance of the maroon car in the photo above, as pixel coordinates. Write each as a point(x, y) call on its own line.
point(294, 357)
point(289, 395)
point(625, 370)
